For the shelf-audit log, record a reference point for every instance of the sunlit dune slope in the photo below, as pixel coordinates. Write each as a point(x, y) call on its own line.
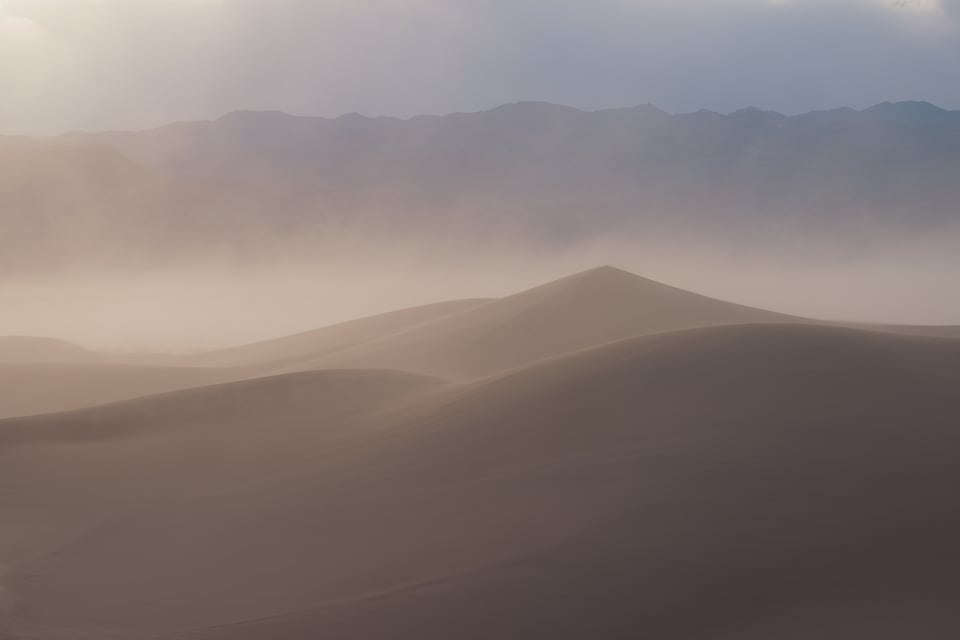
point(754, 481)
point(321, 342)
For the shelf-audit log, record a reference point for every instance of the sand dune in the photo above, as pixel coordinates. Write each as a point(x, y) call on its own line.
point(27, 389)
point(754, 481)
point(304, 396)
point(39, 375)
point(458, 339)
point(583, 310)
point(327, 340)
point(24, 349)
point(933, 331)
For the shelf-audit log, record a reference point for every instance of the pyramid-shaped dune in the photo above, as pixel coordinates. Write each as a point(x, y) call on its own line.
point(458, 340)
point(577, 312)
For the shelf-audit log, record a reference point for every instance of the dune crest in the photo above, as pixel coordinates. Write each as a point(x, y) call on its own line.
point(458, 339)
point(580, 311)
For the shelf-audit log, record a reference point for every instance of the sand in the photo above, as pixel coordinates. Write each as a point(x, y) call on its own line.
point(28, 349)
point(723, 481)
point(49, 387)
point(40, 375)
point(748, 480)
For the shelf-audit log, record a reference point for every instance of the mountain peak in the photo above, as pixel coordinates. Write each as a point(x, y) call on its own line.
point(906, 105)
point(756, 114)
point(911, 112)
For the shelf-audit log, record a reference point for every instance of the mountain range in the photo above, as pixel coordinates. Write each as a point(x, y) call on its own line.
point(258, 184)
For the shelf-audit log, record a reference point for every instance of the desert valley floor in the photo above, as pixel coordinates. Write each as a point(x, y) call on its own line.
point(602, 456)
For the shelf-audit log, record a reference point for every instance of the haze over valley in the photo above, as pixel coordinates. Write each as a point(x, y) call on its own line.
point(211, 226)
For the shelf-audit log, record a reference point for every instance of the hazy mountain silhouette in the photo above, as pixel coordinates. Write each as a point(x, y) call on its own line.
point(251, 181)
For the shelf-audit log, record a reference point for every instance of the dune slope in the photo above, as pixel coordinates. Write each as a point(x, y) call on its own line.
point(326, 340)
point(755, 481)
point(40, 375)
point(580, 311)
point(80, 478)
point(27, 389)
point(29, 349)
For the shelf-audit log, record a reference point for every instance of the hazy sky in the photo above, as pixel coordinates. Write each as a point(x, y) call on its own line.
point(95, 64)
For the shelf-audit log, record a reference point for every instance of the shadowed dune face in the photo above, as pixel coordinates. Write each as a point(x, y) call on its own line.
point(755, 481)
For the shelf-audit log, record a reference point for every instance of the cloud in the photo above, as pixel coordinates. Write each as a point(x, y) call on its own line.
point(134, 63)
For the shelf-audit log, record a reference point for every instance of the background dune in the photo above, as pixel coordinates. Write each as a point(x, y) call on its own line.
point(328, 340)
point(584, 310)
point(458, 339)
point(27, 349)
point(40, 375)
point(49, 387)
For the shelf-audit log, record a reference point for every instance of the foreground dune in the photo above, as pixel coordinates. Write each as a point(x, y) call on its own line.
point(741, 482)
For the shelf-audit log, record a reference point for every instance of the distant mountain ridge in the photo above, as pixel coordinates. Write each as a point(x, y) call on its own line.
point(255, 181)
point(908, 112)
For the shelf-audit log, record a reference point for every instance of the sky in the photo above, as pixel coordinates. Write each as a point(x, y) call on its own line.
point(133, 64)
